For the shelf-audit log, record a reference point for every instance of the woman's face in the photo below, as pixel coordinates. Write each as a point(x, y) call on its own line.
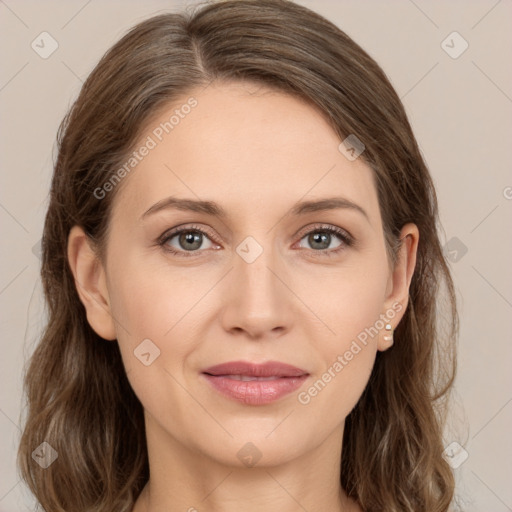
point(263, 282)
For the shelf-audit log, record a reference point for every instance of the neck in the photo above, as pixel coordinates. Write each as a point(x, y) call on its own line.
point(185, 480)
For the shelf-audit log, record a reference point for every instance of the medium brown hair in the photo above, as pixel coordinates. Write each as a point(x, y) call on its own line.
point(79, 399)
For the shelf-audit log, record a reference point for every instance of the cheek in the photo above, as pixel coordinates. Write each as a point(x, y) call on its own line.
point(345, 361)
point(153, 342)
point(147, 296)
point(348, 299)
point(350, 304)
point(149, 304)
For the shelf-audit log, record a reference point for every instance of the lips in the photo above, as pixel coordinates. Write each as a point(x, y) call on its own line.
point(255, 384)
point(269, 369)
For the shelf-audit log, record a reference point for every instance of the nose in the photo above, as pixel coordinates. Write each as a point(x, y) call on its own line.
point(257, 300)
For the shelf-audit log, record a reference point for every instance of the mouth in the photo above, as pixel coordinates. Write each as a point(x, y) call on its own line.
point(255, 384)
point(247, 378)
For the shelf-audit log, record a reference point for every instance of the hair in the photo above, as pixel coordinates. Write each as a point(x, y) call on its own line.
point(78, 398)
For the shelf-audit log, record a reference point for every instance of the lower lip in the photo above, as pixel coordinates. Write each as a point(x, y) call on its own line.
point(255, 392)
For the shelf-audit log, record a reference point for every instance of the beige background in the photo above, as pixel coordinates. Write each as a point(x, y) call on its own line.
point(460, 109)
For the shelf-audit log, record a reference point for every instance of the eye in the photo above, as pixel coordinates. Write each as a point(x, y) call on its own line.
point(321, 237)
point(186, 241)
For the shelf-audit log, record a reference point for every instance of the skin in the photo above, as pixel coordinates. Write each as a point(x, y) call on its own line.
point(256, 152)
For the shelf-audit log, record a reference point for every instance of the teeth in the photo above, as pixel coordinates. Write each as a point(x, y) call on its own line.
point(246, 378)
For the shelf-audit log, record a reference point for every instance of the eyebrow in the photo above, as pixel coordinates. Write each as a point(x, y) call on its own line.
point(214, 209)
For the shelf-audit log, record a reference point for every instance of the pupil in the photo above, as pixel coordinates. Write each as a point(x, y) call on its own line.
point(189, 238)
point(319, 237)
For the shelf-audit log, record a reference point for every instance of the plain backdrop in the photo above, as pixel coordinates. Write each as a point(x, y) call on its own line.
point(459, 100)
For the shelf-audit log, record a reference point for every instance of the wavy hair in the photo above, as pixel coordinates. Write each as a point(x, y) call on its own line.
point(78, 398)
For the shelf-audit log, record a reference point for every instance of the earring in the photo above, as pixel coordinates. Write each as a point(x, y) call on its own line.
point(389, 333)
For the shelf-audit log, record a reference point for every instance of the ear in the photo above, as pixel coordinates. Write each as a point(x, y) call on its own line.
point(90, 282)
point(397, 294)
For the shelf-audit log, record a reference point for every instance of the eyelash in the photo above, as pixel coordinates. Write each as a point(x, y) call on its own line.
point(346, 239)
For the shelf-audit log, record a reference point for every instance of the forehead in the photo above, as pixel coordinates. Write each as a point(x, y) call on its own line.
point(246, 147)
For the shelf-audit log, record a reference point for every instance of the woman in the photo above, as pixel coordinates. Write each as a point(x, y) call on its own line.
point(242, 268)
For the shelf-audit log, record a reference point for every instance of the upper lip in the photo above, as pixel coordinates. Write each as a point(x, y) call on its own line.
point(268, 369)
